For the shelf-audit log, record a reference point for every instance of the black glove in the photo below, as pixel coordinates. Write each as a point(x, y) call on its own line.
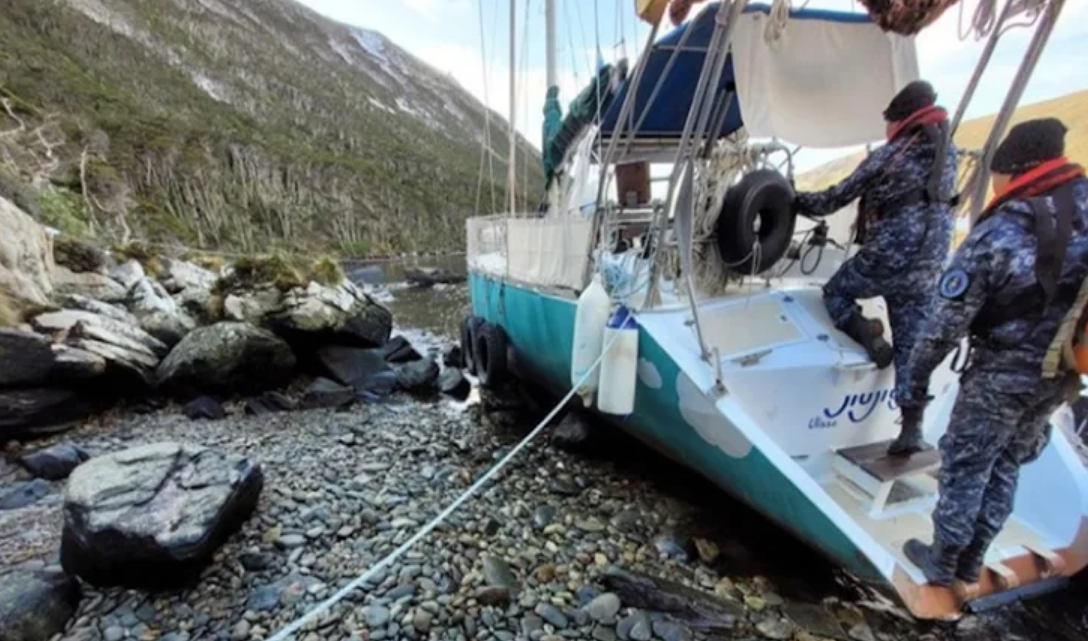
point(797, 205)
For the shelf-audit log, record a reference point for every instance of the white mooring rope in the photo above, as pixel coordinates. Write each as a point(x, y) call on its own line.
point(322, 607)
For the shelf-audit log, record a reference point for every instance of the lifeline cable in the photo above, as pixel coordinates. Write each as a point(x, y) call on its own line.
point(297, 624)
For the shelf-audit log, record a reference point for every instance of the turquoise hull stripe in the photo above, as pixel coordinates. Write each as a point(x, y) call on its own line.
point(540, 329)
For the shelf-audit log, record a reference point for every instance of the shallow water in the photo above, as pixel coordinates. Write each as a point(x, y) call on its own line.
point(750, 544)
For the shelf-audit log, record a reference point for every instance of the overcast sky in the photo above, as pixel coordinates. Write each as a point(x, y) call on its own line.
point(447, 35)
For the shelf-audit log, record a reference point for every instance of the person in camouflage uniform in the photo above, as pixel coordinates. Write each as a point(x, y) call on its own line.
point(1009, 286)
point(905, 229)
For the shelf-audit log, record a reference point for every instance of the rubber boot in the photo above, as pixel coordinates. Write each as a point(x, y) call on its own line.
point(969, 567)
point(937, 562)
point(910, 438)
point(862, 329)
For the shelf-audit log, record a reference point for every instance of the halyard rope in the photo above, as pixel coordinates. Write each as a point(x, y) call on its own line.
point(322, 607)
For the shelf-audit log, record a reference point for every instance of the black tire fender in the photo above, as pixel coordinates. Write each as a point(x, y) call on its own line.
point(757, 211)
point(490, 354)
point(469, 327)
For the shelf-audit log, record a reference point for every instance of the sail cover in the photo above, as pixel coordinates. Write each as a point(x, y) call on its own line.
point(824, 83)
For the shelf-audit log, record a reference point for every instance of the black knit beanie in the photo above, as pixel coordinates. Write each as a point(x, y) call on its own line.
point(1029, 145)
point(917, 95)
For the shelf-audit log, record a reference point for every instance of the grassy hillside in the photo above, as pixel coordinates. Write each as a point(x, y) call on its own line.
point(1071, 109)
point(240, 124)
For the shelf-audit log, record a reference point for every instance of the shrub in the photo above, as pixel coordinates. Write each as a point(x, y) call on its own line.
point(275, 269)
point(77, 255)
point(327, 271)
point(61, 209)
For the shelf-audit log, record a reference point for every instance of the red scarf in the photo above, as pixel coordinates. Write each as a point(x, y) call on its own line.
point(1036, 182)
point(921, 118)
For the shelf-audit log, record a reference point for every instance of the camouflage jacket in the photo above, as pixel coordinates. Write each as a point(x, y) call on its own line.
point(886, 178)
point(990, 292)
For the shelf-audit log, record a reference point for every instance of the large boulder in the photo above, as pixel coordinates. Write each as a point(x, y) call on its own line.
point(123, 356)
point(64, 320)
point(35, 606)
point(179, 275)
point(418, 376)
point(84, 304)
point(26, 256)
point(341, 315)
point(152, 516)
point(54, 463)
point(33, 412)
point(73, 365)
point(365, 370)
point(89, 284)
point(226, 358)
point(158, 313)
point(26, 358)
point(200, 305)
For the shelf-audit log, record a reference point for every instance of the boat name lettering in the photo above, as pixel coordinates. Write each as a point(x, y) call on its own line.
point(856, 407)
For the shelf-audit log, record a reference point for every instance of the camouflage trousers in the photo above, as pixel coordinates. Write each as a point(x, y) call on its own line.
point(990, 435)
point(907, 296)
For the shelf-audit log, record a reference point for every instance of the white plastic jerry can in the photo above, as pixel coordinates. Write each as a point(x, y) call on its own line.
point(619, 367)
point(590, 319)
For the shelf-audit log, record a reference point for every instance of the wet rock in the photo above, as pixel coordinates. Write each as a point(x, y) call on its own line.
point(268, 403)
point(497, 574)
point(35, 606)
point(399, 350)
point(38, 411)
point(667, 630)
point(54, 463)
point(543, 516)
point(27, 358)
point(453, 383)
point(604, 608)
point(363, 369)
point(154, 515)
point(419, 376)
point(775, 628)
point(453, 357)
point(180, 275)
point(552, 615)
point(89, 284)
point(573, 433)
point(128, 273)
point(329, 394)
point(228, 358)
point(204, 408)
point(23, 494)
point(341, 315)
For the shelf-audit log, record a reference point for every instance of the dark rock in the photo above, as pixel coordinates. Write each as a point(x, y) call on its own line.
point(204, 407)
point(552, 615)
point(429, 277)
point(543, 516)
point(493, 595)
point(256, 562)
point(626, 520)
point(35, 606)
point(399, 350)
point(54, 463)
point(342, 315)
point(453, 383)
point(226, 357)
point(687, 605)
point(27, 357)
point(325, 393)
point(23, 494)
point(564, 487)
point(363, 369)
point(814, 619)
point(419, 376)
point(497, 574)
point(38, 411)
point(78, 256)
point(573, 433)
point(152, 516)
point(268, 403)
point(453, 357)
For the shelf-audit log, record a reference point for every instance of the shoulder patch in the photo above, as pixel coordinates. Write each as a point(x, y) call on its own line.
point(954, 283)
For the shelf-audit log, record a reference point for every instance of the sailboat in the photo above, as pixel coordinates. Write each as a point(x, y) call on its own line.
point(737, 371)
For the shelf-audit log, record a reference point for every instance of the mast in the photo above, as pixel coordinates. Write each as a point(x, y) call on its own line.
point(553, 113)
point(549, 34)
point(512, 160)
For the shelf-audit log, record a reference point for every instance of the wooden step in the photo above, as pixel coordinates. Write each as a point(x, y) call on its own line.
point(874, 460)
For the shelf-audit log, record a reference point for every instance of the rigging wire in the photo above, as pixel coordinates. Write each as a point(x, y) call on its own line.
point(486, 143)
point(573, 50)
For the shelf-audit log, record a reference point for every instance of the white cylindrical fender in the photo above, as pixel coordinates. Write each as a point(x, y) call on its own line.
point(590, 319)
point(619, 367)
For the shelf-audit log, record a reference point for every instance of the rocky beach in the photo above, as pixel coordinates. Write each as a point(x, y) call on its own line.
point(209, 453)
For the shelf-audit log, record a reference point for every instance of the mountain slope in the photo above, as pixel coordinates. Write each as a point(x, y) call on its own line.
point(1071, 109)
point(240, 124)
